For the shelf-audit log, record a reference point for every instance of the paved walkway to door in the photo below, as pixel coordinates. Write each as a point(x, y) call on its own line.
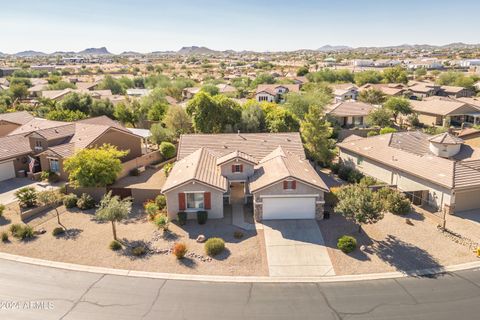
point(296, 248)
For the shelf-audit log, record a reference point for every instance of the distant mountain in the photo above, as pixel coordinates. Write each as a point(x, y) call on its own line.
point(195, 50)
point(130, 53)
point(30, 53)
point(329, 48)
point(62, 53)
point(95, 51)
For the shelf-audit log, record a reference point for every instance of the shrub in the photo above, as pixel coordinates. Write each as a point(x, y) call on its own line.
point(347, 244)
point(355, 176)
point(344, 172)
point(4, 236)
point(335, 167)
point(368, 181)
point(51, 176)
point(151, 209)
point(180, 250)
point(58, 231)
point(167, 168)
point(70, 200)
point(167, 150)
point(387, 130)
point(85, 202)
point(115, 245)
point(24, 233)
point(162, 221)
point(134, 172)
point(2, 209)
point(202, 217)
point(62, 189)
point(397, 203)
point(372, 133)
point(214, 246)
point(182, 218)
point(27, 197)
point(14, 229)
point(139, 251)
point(238, 234)
point(161, 202)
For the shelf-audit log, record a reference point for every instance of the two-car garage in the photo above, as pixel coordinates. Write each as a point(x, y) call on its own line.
point(286, 207)
point(7, 170)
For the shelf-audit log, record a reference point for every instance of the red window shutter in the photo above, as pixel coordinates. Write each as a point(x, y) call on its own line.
point(207, 199)
point(294, 184)
point(181, 201)
point(233, 168)
point(285, 184)
point(241, 168)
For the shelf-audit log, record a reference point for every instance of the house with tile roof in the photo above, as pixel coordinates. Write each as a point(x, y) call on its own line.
point(274, 92)
point(440, 173)
point(269, 170)
point(51, 142)
point(13, 120)
point(349, 113)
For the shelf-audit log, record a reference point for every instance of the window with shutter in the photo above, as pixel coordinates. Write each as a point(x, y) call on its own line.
point(208, 200)
point(181, 201)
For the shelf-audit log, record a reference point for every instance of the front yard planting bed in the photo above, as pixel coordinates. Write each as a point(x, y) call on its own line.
point(87, 241)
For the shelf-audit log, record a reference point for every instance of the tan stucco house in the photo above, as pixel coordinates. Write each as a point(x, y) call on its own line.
point(268, 169)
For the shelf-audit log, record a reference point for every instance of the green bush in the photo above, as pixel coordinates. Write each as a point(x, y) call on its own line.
point(355, 176)
point(2, 209)
point(27, 197)
point(397, 203)
point(162, 221)
point(70, 200)
point(167, 168)
point(182, 218)
point(161, 201)
point(238, 234)
point(49, 176)
point(347, 244)
point(58, 231)
point(139, 251)
point(335, 167)
point(151, 209)
point(202, 217)
point(167, 150)
point(214, 246)
point(115, 245)
point(22, 232)
point(344, 172)
point(368, 181)
point(4, 236)
point(387, 130)
point(372, 133)
point(85, 202)
point(14, 228)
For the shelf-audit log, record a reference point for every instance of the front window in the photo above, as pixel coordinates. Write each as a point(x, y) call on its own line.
point(237, 168)
point(195, 201)
point(54, 165)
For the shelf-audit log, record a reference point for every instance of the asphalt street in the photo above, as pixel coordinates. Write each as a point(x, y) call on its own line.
point(36, 292)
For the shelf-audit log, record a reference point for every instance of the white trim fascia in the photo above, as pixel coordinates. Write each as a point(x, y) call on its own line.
point(290, 196)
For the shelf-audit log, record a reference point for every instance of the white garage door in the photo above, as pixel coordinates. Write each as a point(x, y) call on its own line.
point(7, 171)
point(288, 208)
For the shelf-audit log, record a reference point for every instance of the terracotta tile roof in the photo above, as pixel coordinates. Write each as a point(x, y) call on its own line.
point(257, 145)
point(200, 166)
point(20, 117)
point(62, 131)
point(271, 88)
point(13, 146)
point(446, 138)
point(349, 108)
point(281, 165)
point(37, 124)
point(443, 106)
point(236, 154)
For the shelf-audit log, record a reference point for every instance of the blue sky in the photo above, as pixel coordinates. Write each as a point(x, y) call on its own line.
point(148, 25)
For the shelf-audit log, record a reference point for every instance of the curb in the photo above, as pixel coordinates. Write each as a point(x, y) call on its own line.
point(239, 279)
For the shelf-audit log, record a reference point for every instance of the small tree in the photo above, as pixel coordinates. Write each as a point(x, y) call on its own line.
point(381, 117)
point(113, 209)
point(27, 197)
point(51, 198)
point(359, 204)
point(398, 106)
point(95, 167)
point(316, 133)
point(159, 134)
point(373, 96)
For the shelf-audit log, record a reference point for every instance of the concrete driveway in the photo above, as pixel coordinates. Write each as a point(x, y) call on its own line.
point(10, 186)
point(296, 248)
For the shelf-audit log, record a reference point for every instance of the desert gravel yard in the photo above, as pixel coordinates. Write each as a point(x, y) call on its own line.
point(88, 242)
point(392, 245)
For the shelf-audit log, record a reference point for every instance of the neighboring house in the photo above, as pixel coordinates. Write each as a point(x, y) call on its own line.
point(274, 92)
point(471, 136)
point(443, 111)
point(51, 142)
point(420, 90)
point(390, 89)
point(455, 92)
point(426, 63)
point(350, 114)
point(188, 93)
point(383, 63)
point(227, 89)
point(11, 121)
point(438, 172)
point(363, 63)
point(300, 80)
point(344, 91)
point(138, 92)
point(95, 94)
point(269, 169)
